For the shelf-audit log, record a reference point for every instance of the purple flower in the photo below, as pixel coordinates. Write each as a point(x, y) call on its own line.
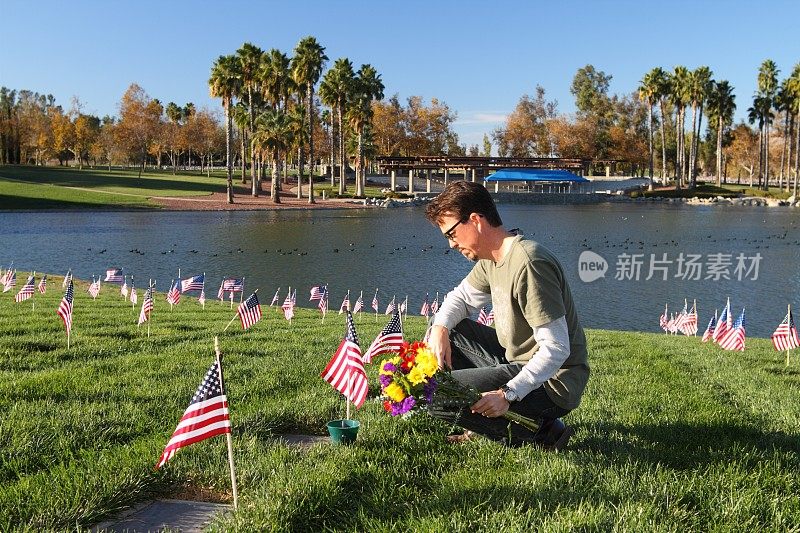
point(401, 408)
point(389, 367)
point(385, 380)
point(429, 389)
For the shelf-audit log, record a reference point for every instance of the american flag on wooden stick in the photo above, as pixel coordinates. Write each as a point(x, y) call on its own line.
point(249, 311)
point(65, 307)
point(147, 306)
point(195, 283)
point(435, 305)
point(318, 292)
point(43, 284)
point(359, 305)
point(735, 337)
point(724, 324)
point(67, 279)
point(174, 294)
point(94, 288)
point(390, 339)
point(114, 275)
point(709, 332)
point(27, 290)
point(345, 303)
point(10, 280)
point(426, 307)
point(785, 337)
point(206, 416)
point(134, 297)
point(202, 298)
point(275, 298)
point(375, 304)
point(345, 371)
point(124, 289)
point(288, 304)
point(391, 308)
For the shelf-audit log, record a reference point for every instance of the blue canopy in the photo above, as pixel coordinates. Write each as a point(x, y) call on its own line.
point(534, 174)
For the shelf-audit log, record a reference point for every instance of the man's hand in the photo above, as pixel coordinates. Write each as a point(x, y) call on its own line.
point(492, 404)
point(439, 341)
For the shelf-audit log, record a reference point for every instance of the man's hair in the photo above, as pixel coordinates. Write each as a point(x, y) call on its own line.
point(460, 199)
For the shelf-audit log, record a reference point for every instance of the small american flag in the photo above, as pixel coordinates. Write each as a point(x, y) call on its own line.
point(202, 298)
point(134, 297)
point(10, 280)
point(94, 288)
point(709, 332)
point(375, 304)
point(663, 319)
point(26, 291)
point(114, 275)
point(345, 371)
point(233, 285)
point(318, 292)
point(435, 305)
point(345, 304)
point(390, 339)
point(67, 279)
point(288, 305)
point(734, 339)
point(688, 325)
point(426, 307)
point(124, 289)
point(724, 323)
point(323, 304)
point(195, 283)
point(206, 416)
point(65, 307)
point(785, 337)
point(147, 306)
point(487, 319)
point(359, 305)
point(174, 295)
point(43, 285)
point(391, 308)
point(403, 305)
point(249, 311)
point(275, 298)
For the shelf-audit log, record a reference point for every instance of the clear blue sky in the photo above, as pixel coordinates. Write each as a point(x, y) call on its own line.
point(478, 57)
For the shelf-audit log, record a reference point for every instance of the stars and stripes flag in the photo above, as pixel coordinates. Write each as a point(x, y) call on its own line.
point(678, 322)
point(124, 289)
point(435, 305)
point(114, 275)
point(345, 303)
point(202, 298)
point(249, 311)
point(785, 337)
point(221, 291)
point(426, 307)
point(734, 339)
point(43, 284)
point(323, 303)
point(147, 306)
point(174, 295)
point(403, 305)
point(134, 296)
point(318, 292)
point(10, 280)
point(712, 324)
point(206, 416)
point(359, 305)
point(724, 323)
point(345, 371)
point(94, 288)
point(688, 323)
point(663, 319)
point(288, 305)
point(275, 298)
point(232, 285)
point(375, 304)
point(671, 324)
point(390, 339)
point(65, 307)
point(195, 283)
point(391, 308)
point(66, 279)
point(487, 319)
point(27, 290)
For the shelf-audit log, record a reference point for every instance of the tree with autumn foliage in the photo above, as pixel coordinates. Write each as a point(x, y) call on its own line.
point(139, 118)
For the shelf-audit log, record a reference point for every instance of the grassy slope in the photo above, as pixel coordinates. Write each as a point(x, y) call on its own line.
point(28, 187)
point(673, 434)
point(708, 190)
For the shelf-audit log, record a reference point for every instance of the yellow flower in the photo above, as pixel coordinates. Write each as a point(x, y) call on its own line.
point(416, 375)
point(395, 392)
point(395, 361)
point(426, 362)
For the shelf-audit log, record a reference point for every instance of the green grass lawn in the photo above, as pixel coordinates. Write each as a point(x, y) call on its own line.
point(31, 187)
point(672, 435)
point(707, 190)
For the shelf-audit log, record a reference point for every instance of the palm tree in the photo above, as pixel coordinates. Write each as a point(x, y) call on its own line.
point(783, 103)
point(367, 87)
point(794, 90)
point(721, 105)
point(648, 93)
point(767, 87)
point(275, 80)
point(224, 83)
point(272, 137)
point(661, 82)
point(249, 56)
point(699, 87)
point(241, 117)
point(335, 91)
point(759, 112)
point(307, 64)
point(678, 94)
point(299, 136)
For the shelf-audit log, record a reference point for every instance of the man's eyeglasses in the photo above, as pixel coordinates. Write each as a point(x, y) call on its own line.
point(449, 233)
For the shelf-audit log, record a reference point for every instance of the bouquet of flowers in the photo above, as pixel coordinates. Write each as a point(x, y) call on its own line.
point(412, 380)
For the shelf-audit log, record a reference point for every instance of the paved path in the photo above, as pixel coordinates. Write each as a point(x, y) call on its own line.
point(176, 515)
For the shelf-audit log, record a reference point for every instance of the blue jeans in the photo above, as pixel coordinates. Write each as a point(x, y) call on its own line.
point(479, 360)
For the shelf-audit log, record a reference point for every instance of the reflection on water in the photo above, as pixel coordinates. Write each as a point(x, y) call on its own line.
point(399, 252)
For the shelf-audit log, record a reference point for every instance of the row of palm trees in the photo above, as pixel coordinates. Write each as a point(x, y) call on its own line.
point(271, 98)
point(682, 89)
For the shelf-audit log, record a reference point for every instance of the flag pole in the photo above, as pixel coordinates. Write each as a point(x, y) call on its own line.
point(150, 285)
point(378, 306)
point(694, 312)
point(172, 284)
point(241, 294)
point(788, 315)
point(234, 317)
point(203, 291)
point(228, 434)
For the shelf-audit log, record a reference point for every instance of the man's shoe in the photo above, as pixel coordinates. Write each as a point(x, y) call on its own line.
point(461, 437)
point(553, 434)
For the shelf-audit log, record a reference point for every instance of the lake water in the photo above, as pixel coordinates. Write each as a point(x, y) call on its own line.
point(399, 252)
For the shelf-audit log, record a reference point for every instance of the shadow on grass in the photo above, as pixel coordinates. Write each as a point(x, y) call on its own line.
point(685, 446)
point(18, 202)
